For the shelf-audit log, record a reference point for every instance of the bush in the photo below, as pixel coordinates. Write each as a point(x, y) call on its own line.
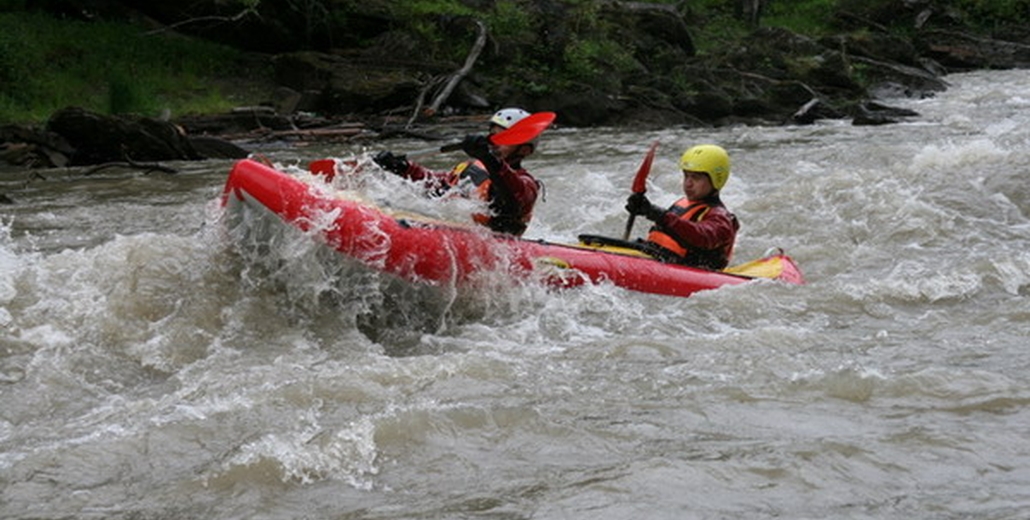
point(48, 64)
point(996, 12)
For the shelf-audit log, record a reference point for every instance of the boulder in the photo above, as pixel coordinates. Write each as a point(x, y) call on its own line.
point(960, 51)
point(33, 147)
point(914, 82)
point(77, 137)
point(586, 107)
point(240, 120)
point(347, 86)
point(875, 46)
point(97, 138)
point(872, 113)
point(649, 29)
point(215, 148)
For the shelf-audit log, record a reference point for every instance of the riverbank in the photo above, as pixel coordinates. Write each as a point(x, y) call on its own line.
point(633, 65)
point(613, 63)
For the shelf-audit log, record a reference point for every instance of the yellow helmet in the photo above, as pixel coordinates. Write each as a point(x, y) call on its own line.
point(710, 159)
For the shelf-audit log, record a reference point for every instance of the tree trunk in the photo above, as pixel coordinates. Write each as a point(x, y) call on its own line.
point(751, 10)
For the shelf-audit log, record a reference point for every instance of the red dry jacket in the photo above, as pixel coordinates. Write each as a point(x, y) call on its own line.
point(697, 233)
point(510, 192)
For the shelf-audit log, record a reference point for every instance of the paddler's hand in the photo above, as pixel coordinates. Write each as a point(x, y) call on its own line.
point(638, 204)
point(397, 164)
point(478, 147)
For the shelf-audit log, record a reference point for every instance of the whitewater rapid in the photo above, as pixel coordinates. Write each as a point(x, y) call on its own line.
point(151, 368)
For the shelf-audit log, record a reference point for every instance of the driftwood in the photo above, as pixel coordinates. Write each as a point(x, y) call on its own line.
point(235, 18)
point(962, 51)
point(470, 60)
point(455, 78)
point(319, 132)
point(805, 115)
point(129, 163)
point(430, 85)
point(345, 132)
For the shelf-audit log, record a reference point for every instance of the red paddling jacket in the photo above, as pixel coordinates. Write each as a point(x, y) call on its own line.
point(511, 191)
point(696, 233)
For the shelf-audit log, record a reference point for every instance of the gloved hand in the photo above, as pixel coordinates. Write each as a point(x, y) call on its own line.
point(637, 204)
point(386, 160)
point(476, 146)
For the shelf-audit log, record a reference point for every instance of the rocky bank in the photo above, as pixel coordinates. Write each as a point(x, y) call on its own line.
point(380, 88)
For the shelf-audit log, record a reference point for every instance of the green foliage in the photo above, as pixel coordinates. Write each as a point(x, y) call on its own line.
point(47, 64)
point(810, 17)
point(11, 5)
point(992, 12)
point(598, 62)
point(421, 8)
point(534, 48)
point(510, 22)
point(425, 19)
point(126, 96)
point(721, 31)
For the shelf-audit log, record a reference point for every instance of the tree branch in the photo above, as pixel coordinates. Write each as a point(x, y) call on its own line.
point(129, 163)
point(235, 18)
point(470, 60)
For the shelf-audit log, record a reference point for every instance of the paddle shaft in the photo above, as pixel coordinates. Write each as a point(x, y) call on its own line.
point(629, 227)
point(640, 184)
point(524, 131)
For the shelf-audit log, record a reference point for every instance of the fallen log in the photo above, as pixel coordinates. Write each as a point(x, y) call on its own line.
point(129, 163)
point(470, 60)
point(344, 133)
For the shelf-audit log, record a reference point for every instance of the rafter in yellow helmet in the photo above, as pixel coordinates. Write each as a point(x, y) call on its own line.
point(708, 158)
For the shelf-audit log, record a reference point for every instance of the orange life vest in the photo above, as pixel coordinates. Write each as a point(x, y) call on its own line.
point(681, 253)
point(475, 173)
point(686, 210)
point(506, 217)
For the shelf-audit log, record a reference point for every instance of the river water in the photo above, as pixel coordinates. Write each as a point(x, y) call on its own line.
point(152, 368)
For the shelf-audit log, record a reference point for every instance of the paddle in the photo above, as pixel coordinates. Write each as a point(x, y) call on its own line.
point(640, 184)
point(325, 167)
point(527, 129)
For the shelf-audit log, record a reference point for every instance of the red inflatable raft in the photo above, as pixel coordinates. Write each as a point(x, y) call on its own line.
point(426, 251)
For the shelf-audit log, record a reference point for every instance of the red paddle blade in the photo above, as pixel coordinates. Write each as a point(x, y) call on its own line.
point(525, 130)
point(640, 181)
point(326, 167)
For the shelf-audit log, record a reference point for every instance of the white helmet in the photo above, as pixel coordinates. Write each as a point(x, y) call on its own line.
point(506, 117)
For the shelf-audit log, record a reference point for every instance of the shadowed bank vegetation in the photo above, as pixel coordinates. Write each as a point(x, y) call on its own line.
point(48, 63)
point(199, 57)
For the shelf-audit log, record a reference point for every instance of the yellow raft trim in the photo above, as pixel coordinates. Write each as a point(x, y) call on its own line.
point(627, 251)
point(770, 267)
